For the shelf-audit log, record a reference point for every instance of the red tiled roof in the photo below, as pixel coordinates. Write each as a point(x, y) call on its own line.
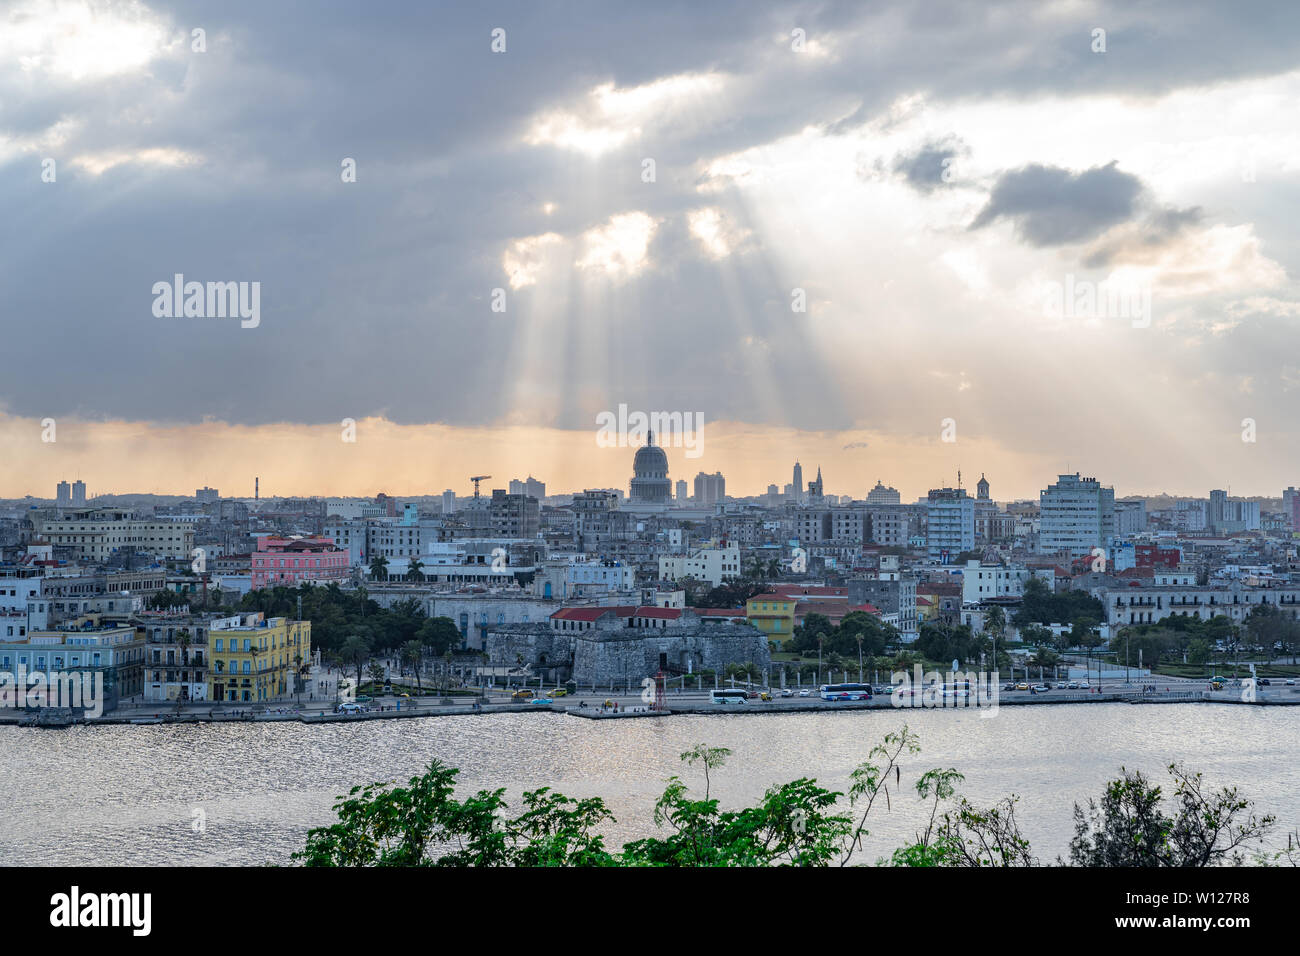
point(591, 613)
point(665, 613)
point(866, 608)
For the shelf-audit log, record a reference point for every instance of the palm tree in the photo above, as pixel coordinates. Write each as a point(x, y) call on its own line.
point(379, 568)
point(413, 654)
point(415, 570)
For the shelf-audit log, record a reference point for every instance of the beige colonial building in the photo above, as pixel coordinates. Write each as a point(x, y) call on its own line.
point(96, 533)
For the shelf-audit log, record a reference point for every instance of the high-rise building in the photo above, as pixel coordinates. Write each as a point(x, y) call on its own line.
point(682, 493)
point(448, 502)
point(1218, 508)
point(710, 489)
point(1075, 515)
point(63, 494)
point(1291, 507)
point(1227, 515)
point(78, 493)
point(530, 486)
point(513, 516)
point(206, 494)
point(950, 522)
point(798, 481)
point(880, 495)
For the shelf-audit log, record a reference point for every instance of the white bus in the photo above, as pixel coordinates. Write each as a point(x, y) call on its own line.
point(730, 695)
point(846, 692)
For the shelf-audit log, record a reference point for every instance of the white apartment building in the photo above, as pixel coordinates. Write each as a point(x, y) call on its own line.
point(714, 565)
point(950, 523)
point(981, 582)
point(1075, 515)
point(1181, 595)
point(598, 576)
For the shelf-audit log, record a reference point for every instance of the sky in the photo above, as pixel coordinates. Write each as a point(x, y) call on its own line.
point(894, 240)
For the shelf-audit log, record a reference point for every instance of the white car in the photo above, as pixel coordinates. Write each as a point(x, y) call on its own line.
point(805, 693)
point(787, 692)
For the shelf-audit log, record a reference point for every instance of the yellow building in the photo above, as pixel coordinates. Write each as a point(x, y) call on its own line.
point(258, 659)
point(772, 614)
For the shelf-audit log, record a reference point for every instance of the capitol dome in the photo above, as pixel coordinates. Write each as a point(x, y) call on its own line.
point(650, 482)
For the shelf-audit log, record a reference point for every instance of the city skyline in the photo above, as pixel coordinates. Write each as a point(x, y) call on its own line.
point(853, 475)
point(872, 248)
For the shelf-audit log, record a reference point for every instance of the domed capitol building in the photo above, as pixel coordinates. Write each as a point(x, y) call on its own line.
point(650, 484)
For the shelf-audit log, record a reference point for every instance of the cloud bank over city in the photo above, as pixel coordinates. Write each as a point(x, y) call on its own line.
point(924, 175)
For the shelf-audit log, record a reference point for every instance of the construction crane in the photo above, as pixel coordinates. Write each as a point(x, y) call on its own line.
point(476, 479)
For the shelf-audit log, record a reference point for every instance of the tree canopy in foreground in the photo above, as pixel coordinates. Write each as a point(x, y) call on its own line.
point(795, 824)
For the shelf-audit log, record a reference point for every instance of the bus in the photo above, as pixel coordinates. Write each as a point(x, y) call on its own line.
point(846, 692)
point(730, 695)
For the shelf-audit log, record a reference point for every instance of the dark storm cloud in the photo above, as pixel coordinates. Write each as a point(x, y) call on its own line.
point(1051, 206)
point(374, 294)
point(929, 167)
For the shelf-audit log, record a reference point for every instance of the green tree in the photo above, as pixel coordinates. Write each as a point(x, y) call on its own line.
point(1130, 828)
point(354, 653)
point(379, 568)
point(413, 655)
point(439, 634)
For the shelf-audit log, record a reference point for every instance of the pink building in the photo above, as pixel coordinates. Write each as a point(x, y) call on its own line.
point(289, 562)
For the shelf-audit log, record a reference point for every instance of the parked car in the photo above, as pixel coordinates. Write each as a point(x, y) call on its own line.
point(1022, 686)
point(1072, 685)
point(1010, 685)
point(1061, 685)
point(1041, 688)
point(1083, 685)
